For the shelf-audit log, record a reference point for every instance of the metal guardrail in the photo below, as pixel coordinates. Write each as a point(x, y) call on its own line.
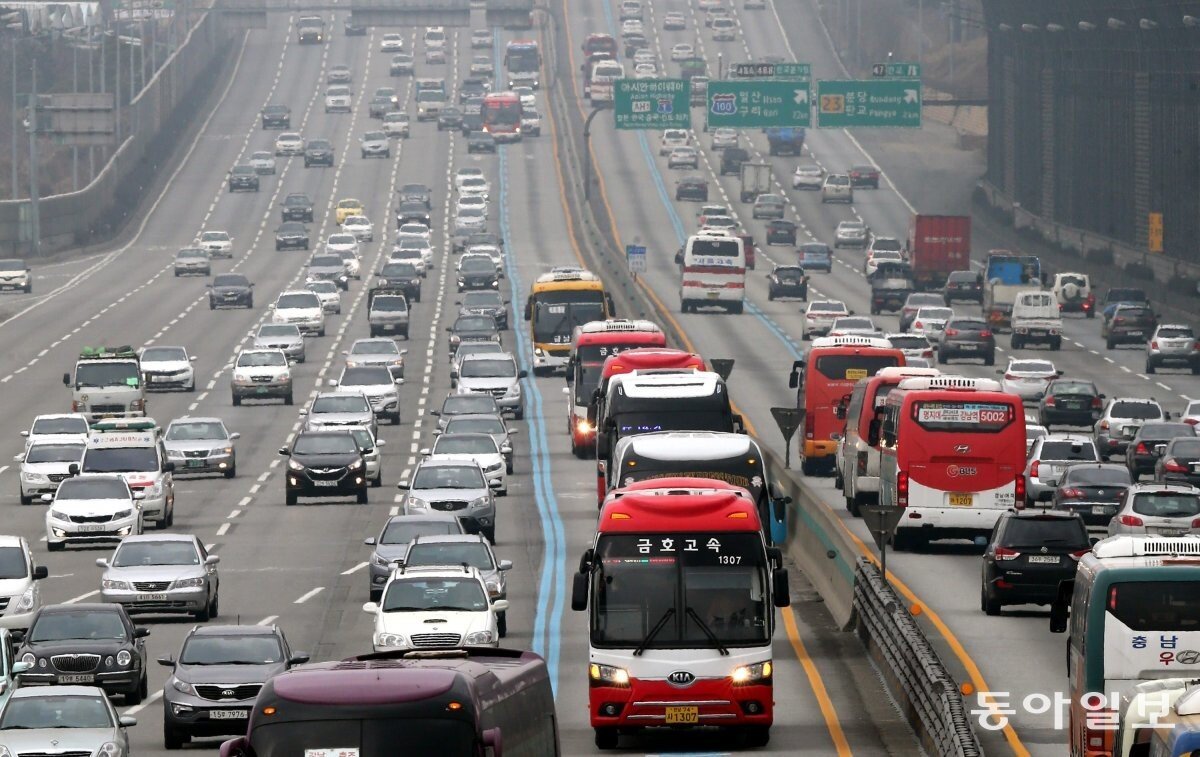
point(911, 669)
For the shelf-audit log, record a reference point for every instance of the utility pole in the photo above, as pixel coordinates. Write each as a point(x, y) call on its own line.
point(117, 82)
point(91, 90)
point(15, 120)
point(34, 190)
point(75, 88)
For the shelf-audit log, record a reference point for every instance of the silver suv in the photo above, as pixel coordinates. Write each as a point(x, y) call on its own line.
point(388, 313)
point(1048, 459)
point(1173, 344)
point(496, 375)
point(1157, 510)
point(452, 486)
point(1121, 421)
point(379, 386)
point(457, 549)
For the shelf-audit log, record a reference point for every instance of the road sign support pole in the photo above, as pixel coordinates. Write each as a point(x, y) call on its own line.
point(587, 154)
point(35, 223)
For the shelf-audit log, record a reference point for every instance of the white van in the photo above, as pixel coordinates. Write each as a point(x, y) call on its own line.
point(713, 273)
point(134, 449)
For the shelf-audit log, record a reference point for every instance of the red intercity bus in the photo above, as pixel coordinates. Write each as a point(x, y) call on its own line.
point(592, 344)
point(952, 453)
point(822, 379)
point(502, 116)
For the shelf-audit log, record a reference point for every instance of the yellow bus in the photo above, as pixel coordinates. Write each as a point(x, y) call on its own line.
point(560, 300)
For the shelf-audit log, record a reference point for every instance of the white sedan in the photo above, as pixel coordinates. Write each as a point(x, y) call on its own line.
point(263, 162)
point(931, 321)
point(463, 174)
point(360, 226)
point(528, 100)
point(808, 177)
point(471, 201)
point(289, 143)
point(645, 71)
point(1028, 379)
point(682, 51)
point(392, 43)
point(344, 241)
point(218, 243)
point(414, 231)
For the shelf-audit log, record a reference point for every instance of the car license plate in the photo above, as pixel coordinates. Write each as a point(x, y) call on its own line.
point(324, 483)
point(261, 389)
point(1102, 510)
point(332, 752)
point(151, 597)
point(195, 463)
point(966, 346)
point(683, 715)
point(1135, 333)
point(712, 295)
point(228, 714)
point(1169, 531)
point(77, 678)
point(1047, 559)
point(91, 528)
point(962, 500)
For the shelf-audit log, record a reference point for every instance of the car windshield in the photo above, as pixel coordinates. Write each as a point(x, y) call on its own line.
point(473, 553)
point(1037, 532)
point(1067, 450)
point(1167, 504)
point(919, 299)
point(135, 553)
point(963, 324)
point(470, 211)
point(404, 531)
point(854, 323)
point(482, 300)
point(448, 477)
point(76, 625)
point(937, 314)
point(92, 488)
point(827, 307)
point(1072, 387)
point(400, 270)
point(297, 301)
point(489, 368)
point(230, 280)
point(319, 144)
point(261, 359)
point(121, 460)
point(465, 444)
point(343, 239)
point(192, 252)
point(478, 265)
point(326, 261)
point(389, 304)
point(122, 373)
point(325, 444)
point(56, 711)
point(54, 453)
point(475, 323)
point(1031, 366)
point(435, 594)
point(375, 347)
point(262, 155)
point(375, 136)
point(366, 376)
point(59, 426)
point(1175, 332)
point(257, 649)
point(468, 403)
point(321, 287)
point(1166, 430)
point(1094, 476)
point(1185, 447)
point(476, 425)
point(415, 229)
point(1138, 410)
point(214, 236)
point(350, 403)
point(909, 342)
point(164, 354)
point(195, 430)
point(12, 563)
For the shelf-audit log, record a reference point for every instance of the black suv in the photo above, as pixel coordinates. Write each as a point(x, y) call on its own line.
point(277, 117)
point(417, 193)
point(481, 141)
point(449, 119)
point(781, 231)
point(402, 277)
point(963, 285)
point(471, 123)
point(297, 206)
point(1128, 324)
point(324, 464)
point(967, 337)
point(291, 235)
point(219, 672)
point(318, 152)
point(732, 159)
point(243, 178)
point(787, 281)
point(87, 644)
point(1149, 444)
point(230, 290)
point(1028, 556)
point(1180, 462)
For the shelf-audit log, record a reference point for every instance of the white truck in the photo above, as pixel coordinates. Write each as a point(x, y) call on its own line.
point(107, 383)
point(756, 180)
point(603, 81)
point(1036, 320)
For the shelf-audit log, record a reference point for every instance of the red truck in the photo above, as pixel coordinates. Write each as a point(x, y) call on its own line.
point(936, 246)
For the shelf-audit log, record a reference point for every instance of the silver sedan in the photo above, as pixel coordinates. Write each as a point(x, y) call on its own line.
point(162, 573)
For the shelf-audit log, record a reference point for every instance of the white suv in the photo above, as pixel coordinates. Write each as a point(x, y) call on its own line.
point(819, 317)
point(301, 308)
point(837, 188)
point(456, 599)
point(18, 583)
point(672, 138)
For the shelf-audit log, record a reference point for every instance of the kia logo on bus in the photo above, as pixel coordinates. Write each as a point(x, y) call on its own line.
point(954, 471)
point(681, 678)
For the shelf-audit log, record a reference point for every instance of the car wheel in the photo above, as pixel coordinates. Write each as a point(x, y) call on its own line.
point(989, 604)
point(502, 624)
point(205, 613)
point(508, 467)
point(137, 695)
point(606, 738)
point(237, 401)
point(231, 473)
point(489, 534)
point(1150, 367)
point(290, 499)
point(173, 738)
point(362, 497)
point(377, 481)
point(287, 400)
point(215, 609)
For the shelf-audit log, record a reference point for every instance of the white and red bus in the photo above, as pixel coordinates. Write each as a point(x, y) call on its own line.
point(952, 454)
point(822, 379)
point(592, 344)
point(713, 273)
point(680, 591)
point(502, 116)
point(523, 62)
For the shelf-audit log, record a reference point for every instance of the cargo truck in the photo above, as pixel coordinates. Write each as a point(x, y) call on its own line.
point(1005, 274)
point(938, 245)
point(785, 140)
point(756, 180)
point(107, 383)
point(310, 30)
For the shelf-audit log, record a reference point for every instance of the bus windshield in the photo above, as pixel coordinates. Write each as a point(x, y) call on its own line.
point(680, 590)
point(520, 59)
point(643, 416)
point(558, 313)
point(388, 733)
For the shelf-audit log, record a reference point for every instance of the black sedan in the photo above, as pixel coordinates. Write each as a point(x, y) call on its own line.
point(966, 337)
point(324, 464)
point(403, 277)
point(1180, 462)
point(277, 117)
point(787, 281)
point(481, 141)
point(230, 290)
point(691, 188)
point(85, 644)
point(1070, 402)
point(291, 235)
point(412, 211)
point(449, 119)
point(471, 123)
point(1094, 491)
point(864, 176)
point(380, 106)
point(1028, 555)
point(963, 285)
point(353, 28)
point(781, 231)
point(243, 178)
point(416, 193)
point(297, 206)
point(1150, 443)
point(472, 328)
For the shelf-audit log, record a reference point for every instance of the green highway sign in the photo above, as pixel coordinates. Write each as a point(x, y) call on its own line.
point(756, 104)
point(797, 71)
point(869, 102)
point(896, 70)
point(652, 104)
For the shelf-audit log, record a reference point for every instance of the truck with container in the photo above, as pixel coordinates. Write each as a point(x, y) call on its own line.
point(107, 382)
point(1036, 320)
point(310, 30)
point(785, 140)
point(1005, 275)
point(756, 180)
point(938, 245)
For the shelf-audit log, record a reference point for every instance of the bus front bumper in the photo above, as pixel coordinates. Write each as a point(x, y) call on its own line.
point(546, 360)
point(706, 702)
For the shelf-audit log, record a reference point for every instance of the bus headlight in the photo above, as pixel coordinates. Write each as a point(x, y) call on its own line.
point(759, 672)
point(607, 675)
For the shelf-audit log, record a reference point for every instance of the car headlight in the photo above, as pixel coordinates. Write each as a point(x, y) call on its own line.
point(29, 659)
point(182, 686)
point(175, 454)
point(285, 376)
point(382, 562)
point(493, 587)
point(455, 339)
point(495, 467)
point(113, 585)
point(124, 658)
point(513, 390)
point(293, 465)
point(480, 637)
point(4, 752)
point(190, 583)
point(27, 600)
point(355, 465)
point(34, 478)
point(416, 503)
point(56, 515)
point(389, 640)
point(481, 501)
point(241, 378)
point(607, 675)
point(539, 352)
point(155, 489)
point(122, 514)
point(759, 672)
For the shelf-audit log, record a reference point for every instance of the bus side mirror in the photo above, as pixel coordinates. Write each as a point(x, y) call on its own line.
point(739, 426)
point(794, 378)
point(66, 379)
point(779, 588)
point(1061, 608)
point(493, 739)
point(579, 592)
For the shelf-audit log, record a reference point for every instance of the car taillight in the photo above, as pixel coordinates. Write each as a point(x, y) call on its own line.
point(1141, 449)
point(1072, 493)
point(985, 334)
point(1087, 305)
point(1118, 319)
point(951, 332)
point(1104, 425)
point(1050, 401)
point(1096, 404)
point(1172, 465)
point(1019, 491)
point(1154, 345)
point(1010, 377)
point(918, 325)
point(1033, 469)
point(1195, 522)
point(1079, 555)
point(927, 353)
point(1004, 553)
point(1191, 421)
point(1130, 520)
point(1196, 346)
point(902, 489)
point(861, 464)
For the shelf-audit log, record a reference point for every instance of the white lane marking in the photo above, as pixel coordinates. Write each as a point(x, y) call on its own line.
point(224, 529)
point(145, 703)
point(309, 595)
point(82, 597)
point(355, 569)
point(267, 620)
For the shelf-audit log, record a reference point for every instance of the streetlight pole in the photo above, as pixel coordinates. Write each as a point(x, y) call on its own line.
point(587, 154)
point(34, 190)
point(75, 88)
point(15, 120)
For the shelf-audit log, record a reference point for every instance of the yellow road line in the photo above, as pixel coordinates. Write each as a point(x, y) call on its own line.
point(828, 711)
